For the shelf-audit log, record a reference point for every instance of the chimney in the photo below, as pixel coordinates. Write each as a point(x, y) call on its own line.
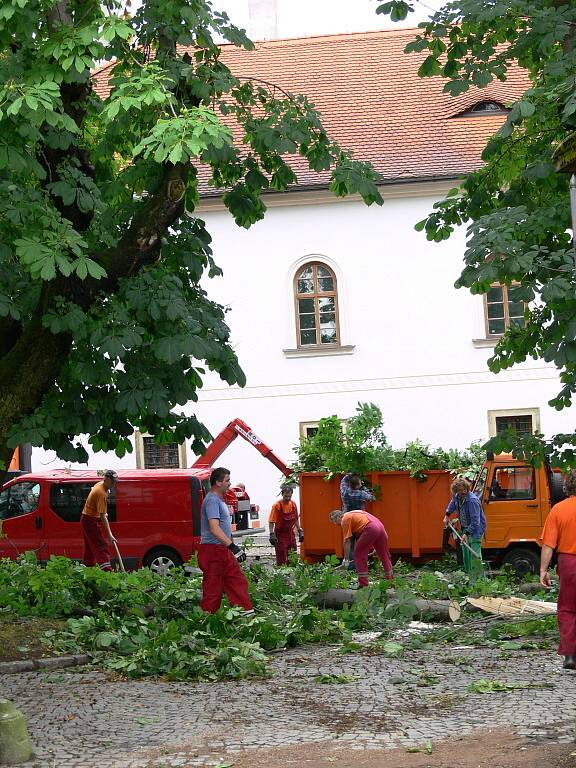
point(263, 19)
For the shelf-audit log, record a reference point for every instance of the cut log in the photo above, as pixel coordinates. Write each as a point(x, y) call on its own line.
point(439, 609)
point(512, 606)
point(445, 610)
point(336, 598)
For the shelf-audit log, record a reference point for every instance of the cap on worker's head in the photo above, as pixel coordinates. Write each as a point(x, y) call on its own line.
point(335, 515)
point(286, 487)
point(111, 475)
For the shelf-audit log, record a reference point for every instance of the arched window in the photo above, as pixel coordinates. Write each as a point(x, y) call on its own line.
point(316, 296)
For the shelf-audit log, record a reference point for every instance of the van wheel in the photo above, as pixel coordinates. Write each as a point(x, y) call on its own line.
point(162, 560)
point(523, 560)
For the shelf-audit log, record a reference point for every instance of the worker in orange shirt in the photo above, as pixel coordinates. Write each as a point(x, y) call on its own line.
point(94, 520)
point(560, 534)
point(370, 534)
point(284, 525)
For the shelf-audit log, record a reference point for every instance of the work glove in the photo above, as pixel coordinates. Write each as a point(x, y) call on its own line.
point(273, 539)
point(238, 553)
point(300, 535)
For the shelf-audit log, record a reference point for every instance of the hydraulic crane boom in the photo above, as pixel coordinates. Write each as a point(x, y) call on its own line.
point(227, 436)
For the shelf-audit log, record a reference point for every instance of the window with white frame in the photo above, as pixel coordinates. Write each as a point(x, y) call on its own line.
point(152, 455)
point(316, 304)
point(523, 421)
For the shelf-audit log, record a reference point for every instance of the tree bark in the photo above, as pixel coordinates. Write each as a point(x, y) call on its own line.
point(26, 373)
point(442, 610)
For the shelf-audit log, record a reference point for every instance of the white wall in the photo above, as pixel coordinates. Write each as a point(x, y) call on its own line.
point(412, 333)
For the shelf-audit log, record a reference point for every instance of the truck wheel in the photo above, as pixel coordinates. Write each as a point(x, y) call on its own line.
point(557, 487)
point(161, 560)
point(523, 560)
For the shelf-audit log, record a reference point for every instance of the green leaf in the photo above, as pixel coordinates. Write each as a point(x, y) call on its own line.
point(430, 67)
point(169, 349)
point(94, 269)
point(527, 109)
point(105, 639)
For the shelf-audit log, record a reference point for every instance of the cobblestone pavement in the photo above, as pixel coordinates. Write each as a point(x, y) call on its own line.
point(84, 719)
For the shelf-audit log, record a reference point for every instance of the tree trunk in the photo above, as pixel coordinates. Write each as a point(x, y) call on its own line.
point(442, 610)
point(26, 373)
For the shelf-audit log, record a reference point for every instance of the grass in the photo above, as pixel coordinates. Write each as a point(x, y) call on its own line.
point(21, 637)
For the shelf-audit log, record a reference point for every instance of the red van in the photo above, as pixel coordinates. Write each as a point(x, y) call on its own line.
point(154, 514)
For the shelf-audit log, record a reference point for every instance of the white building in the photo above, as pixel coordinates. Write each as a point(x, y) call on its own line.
point(332, 302)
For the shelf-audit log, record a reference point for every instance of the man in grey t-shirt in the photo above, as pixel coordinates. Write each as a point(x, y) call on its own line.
point(218, 556)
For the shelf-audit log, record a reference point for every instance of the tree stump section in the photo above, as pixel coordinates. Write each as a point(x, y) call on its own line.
point(441, 610)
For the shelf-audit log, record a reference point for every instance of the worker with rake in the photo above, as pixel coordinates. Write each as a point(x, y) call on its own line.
point(560, 534)
point(370, 534)
point(284, 525)
point(94, 522)
point(467, 507)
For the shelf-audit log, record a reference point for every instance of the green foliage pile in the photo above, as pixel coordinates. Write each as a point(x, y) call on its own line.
point(141, 625)
point(363, 448)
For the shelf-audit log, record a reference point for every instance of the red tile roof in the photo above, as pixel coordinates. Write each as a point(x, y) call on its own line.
point(372, 102)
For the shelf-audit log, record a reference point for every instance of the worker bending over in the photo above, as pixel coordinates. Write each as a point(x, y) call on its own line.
point(284, 525)
point(218, 556)
point(560, 534)
point(370, 534)
point(467, 506)
point(94, 521)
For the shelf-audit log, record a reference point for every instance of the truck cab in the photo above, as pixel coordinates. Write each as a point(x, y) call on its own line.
point(516, 499)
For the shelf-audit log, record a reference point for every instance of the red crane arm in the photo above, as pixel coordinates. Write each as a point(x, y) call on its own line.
point(227, 436)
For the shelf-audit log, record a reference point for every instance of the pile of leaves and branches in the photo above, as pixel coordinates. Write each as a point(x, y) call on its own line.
point(503, 633)
point(140, 625)
point(362, 447)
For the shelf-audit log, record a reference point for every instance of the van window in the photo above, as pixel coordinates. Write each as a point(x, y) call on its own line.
point(19, 499)
point(67, 501)
point(511, 483)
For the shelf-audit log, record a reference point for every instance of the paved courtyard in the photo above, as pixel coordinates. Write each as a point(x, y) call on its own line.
point(86, 719)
